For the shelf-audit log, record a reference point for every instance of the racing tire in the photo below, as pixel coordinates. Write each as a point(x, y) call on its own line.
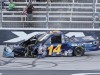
point(78, 51)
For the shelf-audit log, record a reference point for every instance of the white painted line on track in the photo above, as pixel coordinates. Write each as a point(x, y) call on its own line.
point(86, 74)
point(0, 73)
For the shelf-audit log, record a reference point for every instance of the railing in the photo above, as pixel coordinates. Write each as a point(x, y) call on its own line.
point(59, 15)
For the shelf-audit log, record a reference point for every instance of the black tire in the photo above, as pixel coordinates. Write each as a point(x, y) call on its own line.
point(78, 51)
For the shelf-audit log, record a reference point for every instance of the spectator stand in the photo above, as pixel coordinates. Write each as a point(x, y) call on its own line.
point(54, 14)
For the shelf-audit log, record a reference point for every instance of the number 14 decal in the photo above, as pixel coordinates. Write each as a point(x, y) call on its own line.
point(56, 50)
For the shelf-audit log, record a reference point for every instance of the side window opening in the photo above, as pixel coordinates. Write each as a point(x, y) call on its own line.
point(56, 39)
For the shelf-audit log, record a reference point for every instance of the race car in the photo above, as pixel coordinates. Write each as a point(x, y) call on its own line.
point(56, 44)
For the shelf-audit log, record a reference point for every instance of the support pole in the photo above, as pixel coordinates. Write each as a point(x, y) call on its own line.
point(94, 14)
point(47, 16)
point(1, 15)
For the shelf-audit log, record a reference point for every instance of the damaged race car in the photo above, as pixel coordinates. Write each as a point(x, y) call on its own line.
point(55, 43)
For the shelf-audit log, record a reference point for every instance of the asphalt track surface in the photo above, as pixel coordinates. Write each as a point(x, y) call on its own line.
point(89, 63)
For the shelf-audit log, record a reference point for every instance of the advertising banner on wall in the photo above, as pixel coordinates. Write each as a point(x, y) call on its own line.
point(15, 36)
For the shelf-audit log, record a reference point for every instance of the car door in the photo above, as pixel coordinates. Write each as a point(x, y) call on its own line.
point(54, 45)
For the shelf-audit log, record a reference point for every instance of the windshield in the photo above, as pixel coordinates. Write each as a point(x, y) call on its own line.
point(43, 37)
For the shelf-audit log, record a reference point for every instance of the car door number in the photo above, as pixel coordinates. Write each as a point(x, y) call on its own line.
point(56, 50)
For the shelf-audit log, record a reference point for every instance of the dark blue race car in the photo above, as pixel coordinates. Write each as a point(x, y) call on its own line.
point(56, 44)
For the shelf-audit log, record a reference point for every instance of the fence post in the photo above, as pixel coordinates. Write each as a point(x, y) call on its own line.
point(1, 15)
point(72, 7)
point(47, 15)
point(94, 13)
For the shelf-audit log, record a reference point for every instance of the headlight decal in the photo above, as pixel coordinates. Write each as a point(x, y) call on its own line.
point(95, 42)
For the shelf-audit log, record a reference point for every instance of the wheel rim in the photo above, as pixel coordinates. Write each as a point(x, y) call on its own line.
point(79, 52)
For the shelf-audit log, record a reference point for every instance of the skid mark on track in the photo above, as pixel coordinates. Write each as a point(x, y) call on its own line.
point(34, 64)
point(7, 62)
point(43, 63)
point(86, 58)
point(25, 65)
